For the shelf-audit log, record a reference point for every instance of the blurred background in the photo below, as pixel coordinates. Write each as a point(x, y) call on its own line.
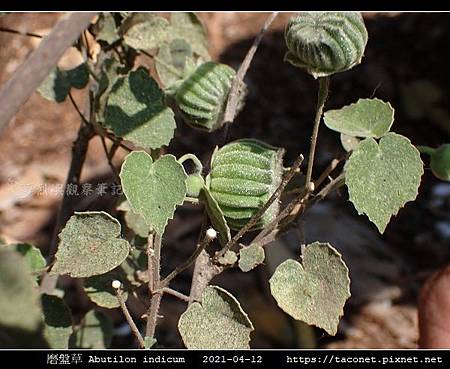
point(406, 63)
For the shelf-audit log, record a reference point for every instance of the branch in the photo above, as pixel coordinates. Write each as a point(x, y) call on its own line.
point(177, 294)
point(128, 317)
point(155, 264)
point(322, 96)
point(29, 76)
point(209, 236)
point(230, 111)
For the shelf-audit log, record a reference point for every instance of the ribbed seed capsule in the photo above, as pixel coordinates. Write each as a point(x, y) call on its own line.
point(325, 43)
point(244, 174)
point(202, 97)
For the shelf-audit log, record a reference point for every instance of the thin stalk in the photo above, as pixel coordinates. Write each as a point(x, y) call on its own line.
point(321, 98)
point(175, 293)
point(129, 319)
point(190, 261)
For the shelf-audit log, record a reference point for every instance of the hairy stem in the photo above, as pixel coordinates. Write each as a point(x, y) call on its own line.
point(155, 264)
point(129, 319)
point(321, 98)
point(175, 293)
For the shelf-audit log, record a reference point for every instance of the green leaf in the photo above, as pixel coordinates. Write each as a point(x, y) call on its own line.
point(99, 289)
point(175, 61)
point(105, 28)
point(218, 322)
point(143, 31)
point(382, 178)
point(153, 189)
point(57, 85)
point(365, 118)
point(58, 321)
point(32, 255)
point(229, 258)
point(316, 291)
point(188, 26)
point(216, 216)
point(149, 342)
point(250, 257)
point(440, 162)
point(90, 244)
point(19, 297)
point(94, 332)
point(136, 112)
point(349, 143)
point(135, 222)
point(135, 266)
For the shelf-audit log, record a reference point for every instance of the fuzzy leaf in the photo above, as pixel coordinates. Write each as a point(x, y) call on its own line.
point(188, 26)
point(175, 61)
point(229, 258)
point(365, 118)
point(349, 143)
point(94, 332)
point(382, 177)
point(58, 322)
point(136, 112)
point(57, 85)
point(106, 29)
point(90, 244)
point(99, 289)
point(316, 291)
point(143, 31)
point(135, 222)
point(153, 189)
point(219, 313)
point(250, 257)
point(19, 297)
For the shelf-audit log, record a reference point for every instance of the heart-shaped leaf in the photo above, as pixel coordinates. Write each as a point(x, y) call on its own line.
point(316, 291)
point(90, 245)
point(19, 298)
point(58, 321)
point(382, 177)
point(250, 257)
point(218, 313)
point(136, 112)
point(153, 189)
point(365, 118)
point(94, 332)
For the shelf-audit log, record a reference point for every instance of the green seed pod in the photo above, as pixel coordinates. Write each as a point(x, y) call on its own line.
point(244, 174)
point(440, 162)
point(325, 43)
point(202, 97)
